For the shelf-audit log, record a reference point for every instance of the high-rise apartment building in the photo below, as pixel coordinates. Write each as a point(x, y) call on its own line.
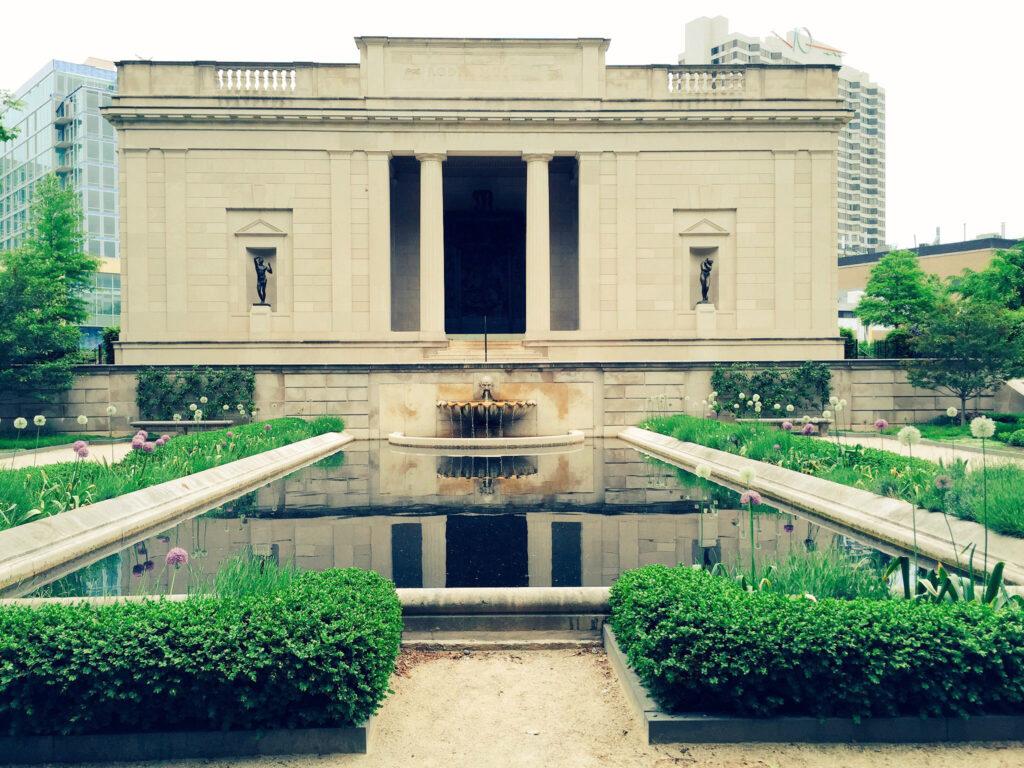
point(861, 172)
point(60, 130)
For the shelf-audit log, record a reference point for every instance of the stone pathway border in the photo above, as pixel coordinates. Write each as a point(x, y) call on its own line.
point(664, 728)
point(879, 517)
point(46, 545)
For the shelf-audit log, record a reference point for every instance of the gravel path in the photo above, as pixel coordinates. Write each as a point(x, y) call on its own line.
point(536, 709)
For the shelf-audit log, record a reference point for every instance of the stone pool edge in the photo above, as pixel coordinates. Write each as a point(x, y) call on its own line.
point(883, 518)
point(44, 545)
point(182, 745)
point(664, 728)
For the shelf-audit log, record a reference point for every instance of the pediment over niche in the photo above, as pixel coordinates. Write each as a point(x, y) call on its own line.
point(261, 227)
point(705, 227)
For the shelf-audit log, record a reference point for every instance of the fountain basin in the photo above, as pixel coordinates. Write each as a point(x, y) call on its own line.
point(573, 437)
point(485, 417)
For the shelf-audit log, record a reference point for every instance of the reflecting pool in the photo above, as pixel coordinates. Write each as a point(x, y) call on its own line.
point(572, 517)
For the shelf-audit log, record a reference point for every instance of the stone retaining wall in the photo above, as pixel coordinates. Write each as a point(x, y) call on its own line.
point(598, 399)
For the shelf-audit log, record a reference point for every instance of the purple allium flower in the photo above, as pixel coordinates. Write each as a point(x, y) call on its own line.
point(750, 497)
point(231, 434)
point(787, 425)
point(177, 557)
point(709, 415)
point(163, 539)
point(137, 443)
point(83, 452)
point(881, 424)
point(267, 427)
point(138, 570)
point(943, 482)
point(788, 527)
point(777, 447)
point(159, 442)
point(143, 434)
point(223, 444)
point(77, 445)
point(165, 438)
point(808, 430)
point(148, 565)
point(148, 447)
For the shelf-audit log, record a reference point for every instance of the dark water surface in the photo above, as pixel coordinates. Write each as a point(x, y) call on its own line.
point(562, 518)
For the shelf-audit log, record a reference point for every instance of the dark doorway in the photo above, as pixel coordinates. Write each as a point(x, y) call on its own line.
point(486, 551)
point(566, 554)
point(407, 554)
point(485, 245)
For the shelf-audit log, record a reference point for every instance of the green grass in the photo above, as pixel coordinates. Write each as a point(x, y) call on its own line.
point(245, 575)
point(827, 573)
point(882, 472)
point(31, 493)
point(27, 441)
point(943, 430)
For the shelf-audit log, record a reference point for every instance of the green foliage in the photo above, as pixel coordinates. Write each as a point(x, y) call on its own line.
point(702, 644)
point(10, 440)
point(806, 387)
point(967, 348)
point(8, 102)
point(110, 335)
point(30, 493)
point(246, 575)
point(882, 472)
point(316, 653)
point(941, 429)
point(826, 573)
point(1001, 282)
point(41, 287)
point(849, 343)
point(161, 393)
point(899, 293)
point(1016, 438)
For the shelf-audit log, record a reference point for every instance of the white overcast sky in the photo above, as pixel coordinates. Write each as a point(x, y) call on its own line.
point(952, 72)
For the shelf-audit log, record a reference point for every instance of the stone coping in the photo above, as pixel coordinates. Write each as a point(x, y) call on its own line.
point(879, 517)
point(185, 745)
point(664, 728)
point(45, 545)
point(573, 437)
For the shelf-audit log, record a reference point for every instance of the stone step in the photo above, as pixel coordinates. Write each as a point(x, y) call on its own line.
point(497, 351)
point(501, 640)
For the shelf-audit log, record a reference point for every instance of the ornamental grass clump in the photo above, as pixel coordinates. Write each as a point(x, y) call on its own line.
point(702, 644)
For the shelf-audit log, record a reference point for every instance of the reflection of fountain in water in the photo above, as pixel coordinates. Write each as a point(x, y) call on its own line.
point(485, 417)
point(486, 471)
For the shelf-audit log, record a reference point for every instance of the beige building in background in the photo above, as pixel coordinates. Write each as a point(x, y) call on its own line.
point(401, 200)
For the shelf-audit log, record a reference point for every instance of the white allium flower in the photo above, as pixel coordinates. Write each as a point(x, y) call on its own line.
point(757, 407)
point(686, 397)
point(203, 400)
point(736, 406)
point(909, 436)
point(826, 414)
point(983, 427)
point(750, 403)
point(177, 417)
point(742, 396)
point(192, 406)
point(756, 398)
point(789, 409)
point(20, 423)
point(39, 420)
point(843, 402)
point(273, 405)
point(226, 408)
point(703, 470)
point(776, 406)
point(952, 412)
point(197, 416)
point(833, 400)
point(111, 410)
point(82, 419)
point(747, 475)
point(703, 402)
point(840, 405)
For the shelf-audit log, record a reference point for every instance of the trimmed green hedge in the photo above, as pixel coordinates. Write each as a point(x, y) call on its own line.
point(319, 653)
point(702, 644)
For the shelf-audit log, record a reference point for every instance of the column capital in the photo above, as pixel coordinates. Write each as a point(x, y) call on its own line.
point(537, 157)
point(425, 156)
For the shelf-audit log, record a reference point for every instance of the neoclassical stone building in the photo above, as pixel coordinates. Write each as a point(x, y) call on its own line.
point(398, 206)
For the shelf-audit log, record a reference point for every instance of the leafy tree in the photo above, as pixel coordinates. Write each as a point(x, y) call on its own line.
point(899, 293)
point(1001, 282)
point(41, 286)
point(7, 102)
point(967, 348)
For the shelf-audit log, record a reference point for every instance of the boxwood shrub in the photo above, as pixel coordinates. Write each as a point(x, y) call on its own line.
point(702, 644)
point(318, 653)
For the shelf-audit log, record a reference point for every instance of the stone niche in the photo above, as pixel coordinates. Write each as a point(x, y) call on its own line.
point(703, 234)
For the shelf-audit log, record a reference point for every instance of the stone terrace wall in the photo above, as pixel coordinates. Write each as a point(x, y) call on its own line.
point(600, 400)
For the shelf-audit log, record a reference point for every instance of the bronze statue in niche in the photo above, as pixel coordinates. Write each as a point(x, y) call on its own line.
point(705, 279)
point(263, 268)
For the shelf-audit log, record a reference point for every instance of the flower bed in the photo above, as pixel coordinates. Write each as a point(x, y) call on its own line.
point(317, 653)
point(702, 644)
point(26, 494)
point(951, 489)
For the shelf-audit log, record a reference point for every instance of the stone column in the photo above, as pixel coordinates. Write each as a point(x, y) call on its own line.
point(538, 246)
point(431, 246)
point(379, 237)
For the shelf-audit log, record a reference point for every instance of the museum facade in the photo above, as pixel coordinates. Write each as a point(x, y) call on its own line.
point(396, 210)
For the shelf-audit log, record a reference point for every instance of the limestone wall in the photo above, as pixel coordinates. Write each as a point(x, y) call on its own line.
point(383, 399)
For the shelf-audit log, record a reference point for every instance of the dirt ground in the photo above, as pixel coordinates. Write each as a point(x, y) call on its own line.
point(565, 708)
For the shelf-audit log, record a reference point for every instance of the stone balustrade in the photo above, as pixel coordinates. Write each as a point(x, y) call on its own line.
point(705, 81)
point(256, 79)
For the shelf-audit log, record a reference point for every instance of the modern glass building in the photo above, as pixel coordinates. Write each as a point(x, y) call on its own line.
point(60, 130)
